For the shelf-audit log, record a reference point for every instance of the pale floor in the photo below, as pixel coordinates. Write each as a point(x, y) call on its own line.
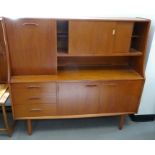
point(94, 128)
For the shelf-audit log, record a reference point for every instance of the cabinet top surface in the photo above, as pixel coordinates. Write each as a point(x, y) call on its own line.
point(82, 75)
point(140, 19)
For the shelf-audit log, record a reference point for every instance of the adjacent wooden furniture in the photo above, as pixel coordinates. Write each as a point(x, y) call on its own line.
point(4, 94)
point(72, 68)
point(3, 62)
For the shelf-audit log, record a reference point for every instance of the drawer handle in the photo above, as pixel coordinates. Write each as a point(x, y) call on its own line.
point(91, 85)
point(36, 109)
point(34, 98)
point(31, 24)
point(33, 87)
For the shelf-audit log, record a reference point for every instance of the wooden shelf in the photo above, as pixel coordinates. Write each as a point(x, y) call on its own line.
point(132, 52)
point(82, 75)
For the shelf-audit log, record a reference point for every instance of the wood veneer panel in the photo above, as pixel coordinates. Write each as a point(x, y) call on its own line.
point(74, 75)
point(32, 46)
point(123, 36)
point(120, 96)
point(78, 98)
point(90, 37)
point(34, 110)
point(29, 93)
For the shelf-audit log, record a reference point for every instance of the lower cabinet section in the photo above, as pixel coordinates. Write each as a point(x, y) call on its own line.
point(100, 97)
point(75, 98)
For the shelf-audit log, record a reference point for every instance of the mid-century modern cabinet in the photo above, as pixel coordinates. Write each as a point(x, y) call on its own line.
point(75, 68)
point(3, 62)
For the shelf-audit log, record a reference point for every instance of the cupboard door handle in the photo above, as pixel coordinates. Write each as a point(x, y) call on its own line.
point(36, 109)
point(31, 87)
point(113, 32)
point(30, 24)
point(91, 85)
point(34, 98)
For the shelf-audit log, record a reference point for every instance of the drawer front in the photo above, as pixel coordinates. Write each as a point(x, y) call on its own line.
point(34, 110)
point(34, 93)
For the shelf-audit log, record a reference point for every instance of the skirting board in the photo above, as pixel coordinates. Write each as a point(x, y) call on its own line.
point(142, 118)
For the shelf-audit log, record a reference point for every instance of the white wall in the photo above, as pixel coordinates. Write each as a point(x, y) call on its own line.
point(147, 105)
point(93, 8)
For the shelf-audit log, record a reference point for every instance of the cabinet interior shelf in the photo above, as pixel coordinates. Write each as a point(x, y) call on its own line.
point(83, 74)
point(132, 52)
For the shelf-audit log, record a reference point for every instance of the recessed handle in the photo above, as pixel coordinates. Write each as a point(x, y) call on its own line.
point(91, 85)
point(30, 24)
point(36, 109)
point(33, 87)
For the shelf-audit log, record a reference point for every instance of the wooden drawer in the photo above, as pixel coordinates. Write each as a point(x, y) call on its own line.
point(34, 110)
point(29, 88)
point(34, 93)
point(34, 99)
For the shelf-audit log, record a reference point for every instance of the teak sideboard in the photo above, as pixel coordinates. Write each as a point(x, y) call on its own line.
point(75, 68)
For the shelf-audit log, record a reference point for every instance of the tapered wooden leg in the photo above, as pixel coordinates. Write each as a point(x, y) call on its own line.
point(8, 128)
point(121, 123)
point(29, 126)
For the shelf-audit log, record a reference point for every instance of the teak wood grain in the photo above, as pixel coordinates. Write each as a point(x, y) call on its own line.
point(122, 38)
point(32, 45)
point(88, 37)
point(99, 38)
point(81, 75)
point(79, 99)
point(42, 93)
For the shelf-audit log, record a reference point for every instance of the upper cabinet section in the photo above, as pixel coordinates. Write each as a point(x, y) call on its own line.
point(32, 46)
point(107, 37)
point(99, 37)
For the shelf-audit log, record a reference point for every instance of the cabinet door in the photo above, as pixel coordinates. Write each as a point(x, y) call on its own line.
point(3, 63)
point(78, 98)
point(120, 96)
point(123, 34)
point(90, 37)
point(32, 46)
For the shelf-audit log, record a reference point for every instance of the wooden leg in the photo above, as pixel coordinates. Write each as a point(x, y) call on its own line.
point(8, 128)
point(29, 126)
point(121, 123)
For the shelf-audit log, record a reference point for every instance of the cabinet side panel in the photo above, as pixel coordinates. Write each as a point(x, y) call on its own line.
point(3, 63)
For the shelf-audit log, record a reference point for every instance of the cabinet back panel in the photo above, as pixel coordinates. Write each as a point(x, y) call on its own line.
point(32, 46)
point(93, 61)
